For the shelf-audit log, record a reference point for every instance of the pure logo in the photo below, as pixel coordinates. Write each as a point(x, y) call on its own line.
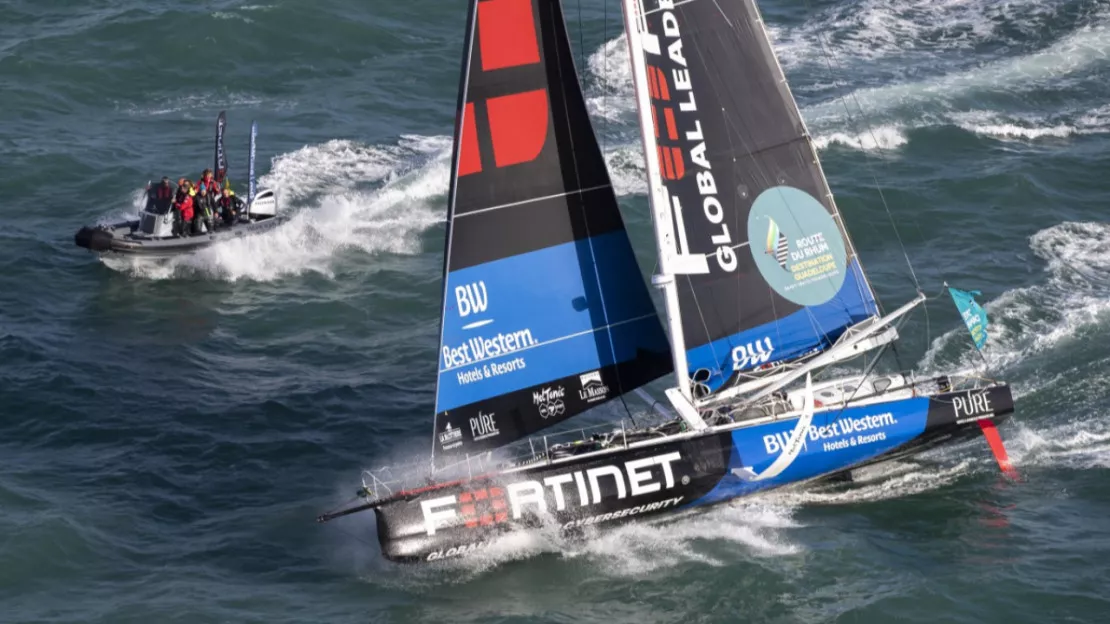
point(550, 402)
point(593, 388)
point(972, 406)
point(752, 354)
point(483, 426)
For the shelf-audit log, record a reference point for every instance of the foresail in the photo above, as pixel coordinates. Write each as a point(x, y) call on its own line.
point(545, 311)
point(765, 271)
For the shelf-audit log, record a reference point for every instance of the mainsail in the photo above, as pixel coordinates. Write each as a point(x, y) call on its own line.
point(765, 271)
point(545, 312)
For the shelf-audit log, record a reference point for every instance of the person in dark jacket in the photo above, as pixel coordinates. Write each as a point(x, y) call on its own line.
point(229, 207)
point(205, 210)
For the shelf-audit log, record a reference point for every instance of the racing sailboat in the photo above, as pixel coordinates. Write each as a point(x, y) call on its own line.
point(545, 314)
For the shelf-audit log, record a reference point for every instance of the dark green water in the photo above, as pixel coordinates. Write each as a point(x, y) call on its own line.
point(168, 432)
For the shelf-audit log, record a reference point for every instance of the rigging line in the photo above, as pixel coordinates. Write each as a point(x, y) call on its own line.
point(829, 63)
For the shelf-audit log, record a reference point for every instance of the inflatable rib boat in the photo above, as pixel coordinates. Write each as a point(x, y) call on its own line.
point(152, 233)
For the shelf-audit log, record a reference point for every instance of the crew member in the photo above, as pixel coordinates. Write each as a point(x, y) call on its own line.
point(229, 206)
point(205, 208)
point(207, 181)
point(161, 196)
point(184, 208)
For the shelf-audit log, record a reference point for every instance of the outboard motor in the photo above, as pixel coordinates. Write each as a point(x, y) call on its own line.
point(263, 206)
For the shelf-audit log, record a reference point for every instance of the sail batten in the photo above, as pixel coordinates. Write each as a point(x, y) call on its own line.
point(545, 314)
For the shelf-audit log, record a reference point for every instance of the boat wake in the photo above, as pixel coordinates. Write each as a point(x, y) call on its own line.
point(343, 196)
point(877, 118)
point(1045, 320)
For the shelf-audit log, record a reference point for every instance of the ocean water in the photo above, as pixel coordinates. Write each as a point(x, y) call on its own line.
point(169, 431)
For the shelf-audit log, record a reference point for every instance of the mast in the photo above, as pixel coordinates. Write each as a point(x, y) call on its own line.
point(638, 37)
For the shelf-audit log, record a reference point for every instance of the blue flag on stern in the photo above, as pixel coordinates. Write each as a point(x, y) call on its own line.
point(972, 313)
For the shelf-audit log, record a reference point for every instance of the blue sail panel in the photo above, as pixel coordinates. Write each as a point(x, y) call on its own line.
point(535, 338)
point(812, 328)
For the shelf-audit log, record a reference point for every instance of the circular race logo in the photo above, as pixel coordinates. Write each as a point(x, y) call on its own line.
point(796, 245)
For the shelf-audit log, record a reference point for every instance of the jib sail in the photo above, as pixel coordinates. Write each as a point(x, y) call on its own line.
point(545, 311)
point(765, 270)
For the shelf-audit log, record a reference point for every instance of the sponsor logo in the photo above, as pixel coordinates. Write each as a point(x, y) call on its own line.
point(483, 348)
point(483, 426)
point(456, 551)
point(593, 388)
point(836, 435)
point(684, 129)
point(630, 479)
point(472, 298)
point(550, 402)
point(752, 354)
point(624, 513)
point(450, 438)
point(972, 406)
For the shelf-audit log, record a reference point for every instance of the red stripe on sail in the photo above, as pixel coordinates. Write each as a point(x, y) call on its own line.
point(470, 161)
point(672, 131)
point(679, 163)
point(668, 168)
point(518, 126)
point(653, 85)
point(507, 34)
point(664, 92)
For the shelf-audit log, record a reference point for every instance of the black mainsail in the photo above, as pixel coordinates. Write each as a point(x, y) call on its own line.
point(765, 270)
point(545, 312)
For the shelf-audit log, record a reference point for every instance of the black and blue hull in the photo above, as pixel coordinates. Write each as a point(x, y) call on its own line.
point(640, 482)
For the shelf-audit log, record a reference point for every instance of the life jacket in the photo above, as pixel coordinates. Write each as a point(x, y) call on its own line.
point(212, 184)
point(163, 192)
point(186, 208)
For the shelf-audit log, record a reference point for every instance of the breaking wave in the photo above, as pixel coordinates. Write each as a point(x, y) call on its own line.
point(1072, 303)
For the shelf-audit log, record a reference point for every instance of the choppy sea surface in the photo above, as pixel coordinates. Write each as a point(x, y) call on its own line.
point(169, 431)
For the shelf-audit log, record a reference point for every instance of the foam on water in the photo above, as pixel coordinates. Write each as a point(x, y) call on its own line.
point(1074, 296)
point(1080, 444)
point(877, 29)
point(873, 139)
point(318, 184)
point(1081, 50)
point(754, 527)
